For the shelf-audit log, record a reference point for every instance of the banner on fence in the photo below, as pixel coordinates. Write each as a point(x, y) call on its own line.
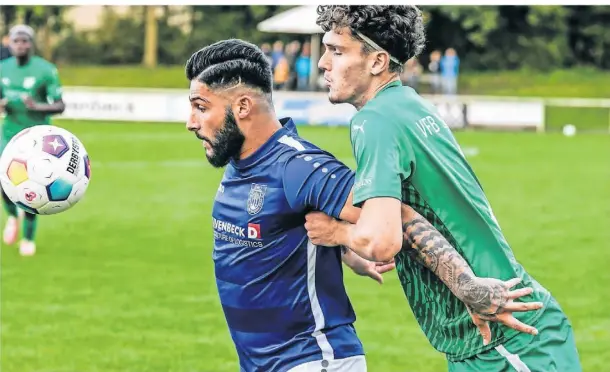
point(305, 108)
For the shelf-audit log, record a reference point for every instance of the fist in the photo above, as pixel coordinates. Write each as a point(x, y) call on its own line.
point(321, 229)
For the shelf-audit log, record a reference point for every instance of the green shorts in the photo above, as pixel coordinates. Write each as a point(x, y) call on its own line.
point(552, 350)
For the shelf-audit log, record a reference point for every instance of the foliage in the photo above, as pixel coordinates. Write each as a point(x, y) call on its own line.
point(486, 37)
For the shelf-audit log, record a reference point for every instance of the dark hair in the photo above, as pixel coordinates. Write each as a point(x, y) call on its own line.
point(229, 62)
point(399, 29)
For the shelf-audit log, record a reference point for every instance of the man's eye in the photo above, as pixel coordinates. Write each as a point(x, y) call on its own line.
point(200, 108)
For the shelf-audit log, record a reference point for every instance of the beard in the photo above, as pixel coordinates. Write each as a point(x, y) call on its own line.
point(228, 142)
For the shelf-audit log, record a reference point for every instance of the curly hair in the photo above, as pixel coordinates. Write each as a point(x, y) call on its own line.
point(398, 29)
point(230, 62)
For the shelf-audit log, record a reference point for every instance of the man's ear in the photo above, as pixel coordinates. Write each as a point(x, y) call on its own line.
point(380, 62)
point(243, 106)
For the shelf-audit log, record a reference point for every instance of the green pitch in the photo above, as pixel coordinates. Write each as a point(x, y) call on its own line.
point(124, 281)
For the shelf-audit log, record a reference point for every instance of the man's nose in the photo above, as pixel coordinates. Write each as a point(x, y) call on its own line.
point(191, 125)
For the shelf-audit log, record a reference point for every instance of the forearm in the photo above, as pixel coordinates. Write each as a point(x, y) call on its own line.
point(50, 108)
point(347, 256)
point(423, 242)
point(348, 236)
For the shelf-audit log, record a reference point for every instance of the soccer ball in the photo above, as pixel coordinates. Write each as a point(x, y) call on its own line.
point(569, 130)
point(45, 170)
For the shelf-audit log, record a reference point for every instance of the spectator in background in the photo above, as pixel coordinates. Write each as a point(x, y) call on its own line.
point(277, 54)
point(292, 53)
point(303, 68)
point(5, 51)
point(266, 48)
point(281, 74)
point(434, 68)
point(450, 67)
point(411, 73)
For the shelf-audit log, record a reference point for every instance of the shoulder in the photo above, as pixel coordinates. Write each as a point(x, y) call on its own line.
point(299, 163)
point(47, 66)
point(7, 62)
point(291, 145)
point(374, 116)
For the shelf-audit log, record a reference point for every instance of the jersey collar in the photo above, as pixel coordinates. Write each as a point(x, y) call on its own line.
point(395, 83)
point(287, 126)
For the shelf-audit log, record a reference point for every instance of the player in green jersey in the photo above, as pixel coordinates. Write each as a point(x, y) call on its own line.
point(405, 152)
point(30, 92)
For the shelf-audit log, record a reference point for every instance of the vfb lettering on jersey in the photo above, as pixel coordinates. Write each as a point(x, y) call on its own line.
point(428, 126)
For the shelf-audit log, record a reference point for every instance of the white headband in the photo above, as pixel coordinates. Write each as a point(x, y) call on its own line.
point(375, 46)
point(17, 30)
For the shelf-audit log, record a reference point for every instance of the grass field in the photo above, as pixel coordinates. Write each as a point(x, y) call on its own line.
point(124, 281)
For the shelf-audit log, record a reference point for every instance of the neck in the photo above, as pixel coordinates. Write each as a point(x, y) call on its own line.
point(375, 88)
point(261, 129)
point(23, 60)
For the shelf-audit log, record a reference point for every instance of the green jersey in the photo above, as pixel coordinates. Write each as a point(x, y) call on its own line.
point(404, 150)
point(37, 79)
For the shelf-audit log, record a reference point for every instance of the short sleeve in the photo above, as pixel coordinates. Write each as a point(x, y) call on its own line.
point(380, 155)
point(314, 180)
point(53, 87)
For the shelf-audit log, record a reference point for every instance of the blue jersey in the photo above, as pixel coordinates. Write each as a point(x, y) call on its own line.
point(283, 298)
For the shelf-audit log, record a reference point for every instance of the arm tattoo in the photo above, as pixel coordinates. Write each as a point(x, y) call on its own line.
point(426, 245)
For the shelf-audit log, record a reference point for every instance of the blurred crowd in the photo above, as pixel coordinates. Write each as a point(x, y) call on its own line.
point(441, 73)
point(291, 64)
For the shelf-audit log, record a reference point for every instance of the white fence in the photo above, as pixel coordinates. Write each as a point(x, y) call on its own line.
point(171, 105)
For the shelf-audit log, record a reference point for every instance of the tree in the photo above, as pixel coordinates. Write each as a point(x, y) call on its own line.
point(8, 14)
point(151, 44)
point(589, 36)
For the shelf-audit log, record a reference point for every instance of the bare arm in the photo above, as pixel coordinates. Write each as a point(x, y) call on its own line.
point(56, 107)
point(432, 250)
point(487, 299)
point(422, 241)
point(373, 232)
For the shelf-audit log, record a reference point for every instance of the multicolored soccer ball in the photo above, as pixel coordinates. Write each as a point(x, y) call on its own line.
point(45, 170)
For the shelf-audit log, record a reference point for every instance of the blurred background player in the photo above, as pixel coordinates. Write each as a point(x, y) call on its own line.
point(30, 91)
point(405, 152)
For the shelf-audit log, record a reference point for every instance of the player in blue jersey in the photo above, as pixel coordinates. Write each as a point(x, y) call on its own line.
point(283, 298)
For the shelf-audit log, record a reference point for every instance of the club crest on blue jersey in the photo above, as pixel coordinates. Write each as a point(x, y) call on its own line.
point(256, 198)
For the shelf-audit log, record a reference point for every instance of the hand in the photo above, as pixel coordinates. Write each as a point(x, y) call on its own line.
point(321, 229)
point(29, 103)
point(373, 270)
point(489, 299)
